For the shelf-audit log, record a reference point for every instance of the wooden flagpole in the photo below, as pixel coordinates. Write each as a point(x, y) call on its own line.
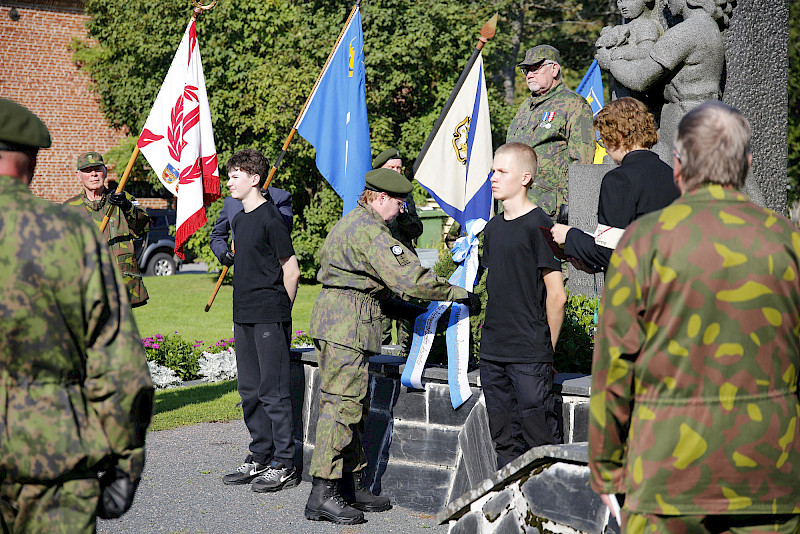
point(293, 131)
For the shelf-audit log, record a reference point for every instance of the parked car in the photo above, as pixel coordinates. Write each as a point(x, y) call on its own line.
point(155, 253)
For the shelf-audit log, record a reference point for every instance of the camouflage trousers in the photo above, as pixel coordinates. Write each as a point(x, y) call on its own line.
point(343, 408)
point(713, 524)
point(68, 507)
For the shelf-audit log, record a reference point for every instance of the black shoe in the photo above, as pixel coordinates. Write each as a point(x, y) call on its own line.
point(326, 504)
point(276, 477)
point(246, 472)
point(357, 495)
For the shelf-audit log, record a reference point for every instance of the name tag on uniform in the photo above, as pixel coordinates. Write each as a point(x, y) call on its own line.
point(400, 255)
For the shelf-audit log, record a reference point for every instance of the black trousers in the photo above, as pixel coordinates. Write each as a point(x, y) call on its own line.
point(262, 361)
point(520, 404)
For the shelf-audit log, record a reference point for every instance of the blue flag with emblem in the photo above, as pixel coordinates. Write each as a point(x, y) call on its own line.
point(591, 88)
point(335, 121)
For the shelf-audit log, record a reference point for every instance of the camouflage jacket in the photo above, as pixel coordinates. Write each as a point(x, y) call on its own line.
point(558, 126)
point(77, 395)
point(407, 226)
point(362, 264)
point(694, 407)
point(121, 231)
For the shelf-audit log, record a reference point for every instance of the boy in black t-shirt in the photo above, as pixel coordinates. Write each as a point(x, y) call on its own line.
point(524, 313)
point(265, 280)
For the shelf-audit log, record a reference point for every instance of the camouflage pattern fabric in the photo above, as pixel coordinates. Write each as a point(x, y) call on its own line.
point(558, 126)
point(121, 231)
point(694, 407)
point(716, 524)
point(344, 378)
point(77, 394)
point(68, 507)
point(360, 265)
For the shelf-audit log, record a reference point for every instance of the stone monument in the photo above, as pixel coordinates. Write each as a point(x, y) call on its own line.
point(748, 41)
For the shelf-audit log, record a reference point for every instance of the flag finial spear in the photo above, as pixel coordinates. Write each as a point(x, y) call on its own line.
point(488, 29)
point(199, 8)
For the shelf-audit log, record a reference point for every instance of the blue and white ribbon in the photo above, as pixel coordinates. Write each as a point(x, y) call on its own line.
point(465, 254)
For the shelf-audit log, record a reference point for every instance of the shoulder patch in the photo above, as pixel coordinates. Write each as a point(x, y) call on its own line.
point(400, 255)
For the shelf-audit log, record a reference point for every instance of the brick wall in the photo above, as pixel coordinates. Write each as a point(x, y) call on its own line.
point(36, 70)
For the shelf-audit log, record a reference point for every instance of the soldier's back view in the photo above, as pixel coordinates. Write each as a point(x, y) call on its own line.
point(76, 392)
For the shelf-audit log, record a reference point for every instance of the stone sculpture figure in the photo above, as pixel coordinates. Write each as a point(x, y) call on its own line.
point(688, 59)
point(634, 39)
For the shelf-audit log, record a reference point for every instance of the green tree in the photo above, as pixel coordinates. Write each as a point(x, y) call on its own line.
point(262, 58)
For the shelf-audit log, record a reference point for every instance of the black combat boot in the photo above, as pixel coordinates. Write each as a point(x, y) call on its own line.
point(357, 495)
point(326, 504)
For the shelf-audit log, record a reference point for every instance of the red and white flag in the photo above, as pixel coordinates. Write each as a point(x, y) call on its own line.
point(178, 141)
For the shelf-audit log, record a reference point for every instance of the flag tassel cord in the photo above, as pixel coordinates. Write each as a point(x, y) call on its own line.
point(124, 180)
point(292, 132)
point(487, 32)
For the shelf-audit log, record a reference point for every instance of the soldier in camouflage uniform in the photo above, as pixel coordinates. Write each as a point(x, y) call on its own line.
point(556, 123)
point(75, 389)
point(361, 264)
point(405, 228)
point(128, 220)
point(694, 408)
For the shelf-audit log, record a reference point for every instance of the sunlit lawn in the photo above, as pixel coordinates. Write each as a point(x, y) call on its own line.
point(176, 305)
point(177, 302)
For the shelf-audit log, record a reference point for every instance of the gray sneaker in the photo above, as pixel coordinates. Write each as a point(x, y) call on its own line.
point(276, 477)
point(246, 472)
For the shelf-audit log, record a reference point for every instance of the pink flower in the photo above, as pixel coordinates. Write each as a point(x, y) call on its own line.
point(155, 346)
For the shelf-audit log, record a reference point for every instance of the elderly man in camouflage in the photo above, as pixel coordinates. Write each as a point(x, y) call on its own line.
point(128, 220)
point(556, 123)
point(694, 408)
point(75, 389)
point(361, 263)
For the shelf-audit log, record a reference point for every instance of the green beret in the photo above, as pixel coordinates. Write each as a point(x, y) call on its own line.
point(20, 129)
point(90, 159)
point(388, 181)
point(540, 53)
point(383, 157)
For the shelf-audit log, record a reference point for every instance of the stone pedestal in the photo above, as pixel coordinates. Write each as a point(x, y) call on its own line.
point(584, 192)
point(421, 452)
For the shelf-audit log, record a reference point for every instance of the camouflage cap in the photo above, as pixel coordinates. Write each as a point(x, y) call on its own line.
point(90, 159)
point(20, 128)
point(387, 181)
point(383, 157)
point(540, 53)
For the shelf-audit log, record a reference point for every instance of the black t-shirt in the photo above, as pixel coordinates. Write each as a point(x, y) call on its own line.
point(515, 252)
point(258, 292)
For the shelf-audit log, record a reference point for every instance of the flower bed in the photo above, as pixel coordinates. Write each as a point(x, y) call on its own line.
point(173, 360)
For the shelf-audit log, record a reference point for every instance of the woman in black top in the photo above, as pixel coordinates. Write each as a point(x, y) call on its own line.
point(642, 183)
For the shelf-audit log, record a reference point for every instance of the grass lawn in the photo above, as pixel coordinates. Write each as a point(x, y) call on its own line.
point(207, 403)
point(177, 302)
